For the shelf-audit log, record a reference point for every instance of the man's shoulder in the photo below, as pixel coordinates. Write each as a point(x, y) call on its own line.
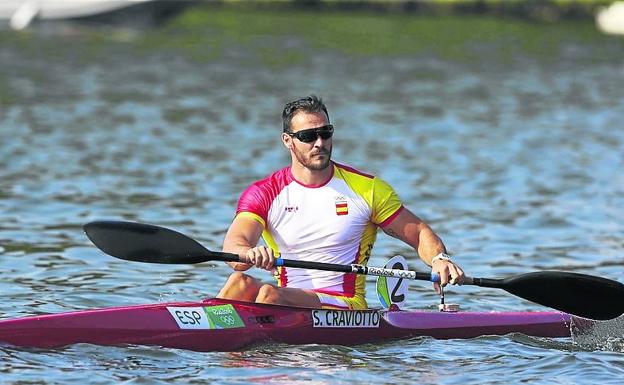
point(258, 197)
point(274, 182)
point(363, 183)
point(346, 171)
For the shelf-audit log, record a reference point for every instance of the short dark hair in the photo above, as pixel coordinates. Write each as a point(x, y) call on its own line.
point(309, 104)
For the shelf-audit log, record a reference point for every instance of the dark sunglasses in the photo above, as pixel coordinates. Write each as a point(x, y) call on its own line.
point(309, 135)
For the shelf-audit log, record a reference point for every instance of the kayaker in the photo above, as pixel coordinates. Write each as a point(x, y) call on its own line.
point(319, 210)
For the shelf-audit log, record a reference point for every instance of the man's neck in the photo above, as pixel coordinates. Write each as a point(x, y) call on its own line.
point(309, 177)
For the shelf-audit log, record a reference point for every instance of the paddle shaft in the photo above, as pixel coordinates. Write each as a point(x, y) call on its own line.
point(354, 268)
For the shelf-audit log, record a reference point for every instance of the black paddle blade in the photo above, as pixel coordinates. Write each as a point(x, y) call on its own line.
point(579, 294)
point(145, 243)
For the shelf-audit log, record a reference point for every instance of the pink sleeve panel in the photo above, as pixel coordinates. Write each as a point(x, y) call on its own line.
point(259, 197)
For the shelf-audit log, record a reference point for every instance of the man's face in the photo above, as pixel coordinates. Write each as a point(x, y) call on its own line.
point(315, 155)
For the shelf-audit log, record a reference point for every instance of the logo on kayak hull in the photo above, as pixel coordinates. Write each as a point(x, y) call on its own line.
point(209, 317)
point(345, 318)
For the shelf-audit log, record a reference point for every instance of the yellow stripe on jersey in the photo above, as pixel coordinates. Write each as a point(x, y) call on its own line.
point(268, 239)
point(255, 217)
point(328, 301)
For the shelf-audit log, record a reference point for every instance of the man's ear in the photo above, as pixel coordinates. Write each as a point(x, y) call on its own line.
point(287, 140)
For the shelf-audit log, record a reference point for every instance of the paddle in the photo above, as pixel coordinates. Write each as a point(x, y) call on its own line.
point(579, 294)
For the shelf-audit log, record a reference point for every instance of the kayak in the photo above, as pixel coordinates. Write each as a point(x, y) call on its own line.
point(225, 325)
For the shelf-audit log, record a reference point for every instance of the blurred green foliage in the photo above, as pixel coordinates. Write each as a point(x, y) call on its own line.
point(282, 37)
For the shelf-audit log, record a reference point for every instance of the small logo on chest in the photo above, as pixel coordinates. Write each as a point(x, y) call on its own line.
point(291, 209)
point(341, 206)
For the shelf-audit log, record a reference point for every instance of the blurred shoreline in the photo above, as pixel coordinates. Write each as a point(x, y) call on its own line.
point(534, 10)
point(148, 13)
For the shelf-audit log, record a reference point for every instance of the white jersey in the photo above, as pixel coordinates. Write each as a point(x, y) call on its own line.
point(332, 223)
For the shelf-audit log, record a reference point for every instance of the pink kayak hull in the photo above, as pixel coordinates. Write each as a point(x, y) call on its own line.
point(221, 325)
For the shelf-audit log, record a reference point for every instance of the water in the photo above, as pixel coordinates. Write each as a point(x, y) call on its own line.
point(506, 137)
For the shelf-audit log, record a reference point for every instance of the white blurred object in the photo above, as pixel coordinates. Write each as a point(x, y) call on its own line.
point(610, 20)
point(21, 13)
point(24, 14)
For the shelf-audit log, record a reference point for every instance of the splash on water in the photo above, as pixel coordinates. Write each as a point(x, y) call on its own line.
point(598, 335)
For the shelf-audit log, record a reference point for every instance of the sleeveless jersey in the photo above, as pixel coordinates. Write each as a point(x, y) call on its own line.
point(332, 223)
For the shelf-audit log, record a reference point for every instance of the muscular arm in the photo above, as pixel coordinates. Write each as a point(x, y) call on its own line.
point(416, 233)
point(243, 234)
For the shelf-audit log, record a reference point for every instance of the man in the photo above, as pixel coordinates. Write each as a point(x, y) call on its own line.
point(319, 210)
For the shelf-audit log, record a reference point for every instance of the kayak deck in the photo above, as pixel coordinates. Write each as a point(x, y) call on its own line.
point(223, 325)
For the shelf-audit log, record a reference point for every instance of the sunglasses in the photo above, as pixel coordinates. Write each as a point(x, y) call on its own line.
point(309, 135)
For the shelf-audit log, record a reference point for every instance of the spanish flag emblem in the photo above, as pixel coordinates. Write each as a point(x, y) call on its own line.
point(341, 207)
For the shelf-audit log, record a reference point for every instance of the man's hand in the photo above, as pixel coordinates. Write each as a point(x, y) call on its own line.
point(261, 257)
point(448, 272)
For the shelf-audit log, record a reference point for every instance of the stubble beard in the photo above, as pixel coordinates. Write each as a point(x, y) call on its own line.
point(308, 162)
